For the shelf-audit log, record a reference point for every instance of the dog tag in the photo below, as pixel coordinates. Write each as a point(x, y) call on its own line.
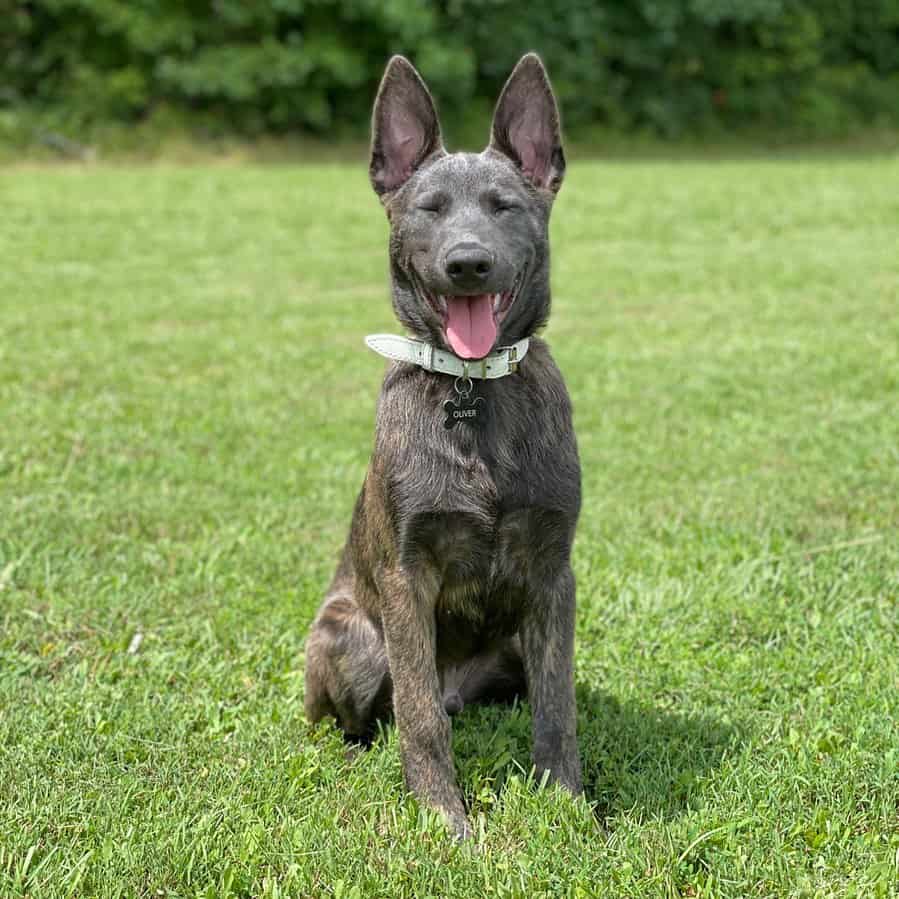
point(464, 408)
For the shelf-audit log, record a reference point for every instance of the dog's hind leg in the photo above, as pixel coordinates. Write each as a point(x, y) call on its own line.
point(347, 675)
point(493, 676)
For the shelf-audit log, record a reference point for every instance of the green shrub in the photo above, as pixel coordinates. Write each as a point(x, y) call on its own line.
point(274, 66)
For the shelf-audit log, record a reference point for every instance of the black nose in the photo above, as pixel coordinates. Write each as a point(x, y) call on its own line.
point(468, 264)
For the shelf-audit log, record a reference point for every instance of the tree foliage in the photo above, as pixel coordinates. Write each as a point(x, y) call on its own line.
point(666, 66)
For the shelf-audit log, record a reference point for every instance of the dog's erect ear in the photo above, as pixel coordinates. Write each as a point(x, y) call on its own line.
point(404, 127)
point(526, 125)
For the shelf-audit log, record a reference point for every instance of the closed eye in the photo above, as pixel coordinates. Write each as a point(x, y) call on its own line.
point(502, 205)
point(434, 204)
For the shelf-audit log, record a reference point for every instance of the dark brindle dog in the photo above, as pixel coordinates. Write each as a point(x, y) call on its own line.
point(455, 584)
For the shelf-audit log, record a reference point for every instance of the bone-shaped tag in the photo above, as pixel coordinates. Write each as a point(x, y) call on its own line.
point(470, 409)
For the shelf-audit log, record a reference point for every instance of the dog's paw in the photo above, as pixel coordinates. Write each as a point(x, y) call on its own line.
point(460, 828)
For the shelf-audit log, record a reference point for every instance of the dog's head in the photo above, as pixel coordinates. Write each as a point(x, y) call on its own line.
point(469, 249)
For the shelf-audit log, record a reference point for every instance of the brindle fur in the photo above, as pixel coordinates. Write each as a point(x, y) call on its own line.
point(455, 583)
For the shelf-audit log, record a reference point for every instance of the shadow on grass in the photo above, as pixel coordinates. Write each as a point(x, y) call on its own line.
point(636, 758)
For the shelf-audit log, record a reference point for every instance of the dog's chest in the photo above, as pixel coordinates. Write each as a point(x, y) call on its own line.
point(482, 515)
point(487, 540)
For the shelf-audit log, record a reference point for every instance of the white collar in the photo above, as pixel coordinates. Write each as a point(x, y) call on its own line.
point(498, 364)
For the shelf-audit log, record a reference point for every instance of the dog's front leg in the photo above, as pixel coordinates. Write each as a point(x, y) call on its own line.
point(424, 727)
point(547, 638)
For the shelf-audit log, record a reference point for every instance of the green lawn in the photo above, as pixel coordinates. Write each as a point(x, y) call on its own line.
point(187, 411)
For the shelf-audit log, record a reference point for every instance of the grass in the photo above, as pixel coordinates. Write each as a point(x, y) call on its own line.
point(187, 412)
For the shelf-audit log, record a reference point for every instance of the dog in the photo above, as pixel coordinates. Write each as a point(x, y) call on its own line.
point(455, 584)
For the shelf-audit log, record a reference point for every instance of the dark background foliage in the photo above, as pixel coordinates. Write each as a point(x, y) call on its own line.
point(668, 67)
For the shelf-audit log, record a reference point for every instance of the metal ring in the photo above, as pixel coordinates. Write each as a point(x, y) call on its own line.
point(468, 389)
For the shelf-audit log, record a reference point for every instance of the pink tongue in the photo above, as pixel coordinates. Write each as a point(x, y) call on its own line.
point(470, 328)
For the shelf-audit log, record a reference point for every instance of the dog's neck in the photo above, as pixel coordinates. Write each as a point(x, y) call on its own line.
point(501, 362)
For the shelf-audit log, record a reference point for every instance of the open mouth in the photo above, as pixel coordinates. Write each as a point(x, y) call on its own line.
point(471, 321)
